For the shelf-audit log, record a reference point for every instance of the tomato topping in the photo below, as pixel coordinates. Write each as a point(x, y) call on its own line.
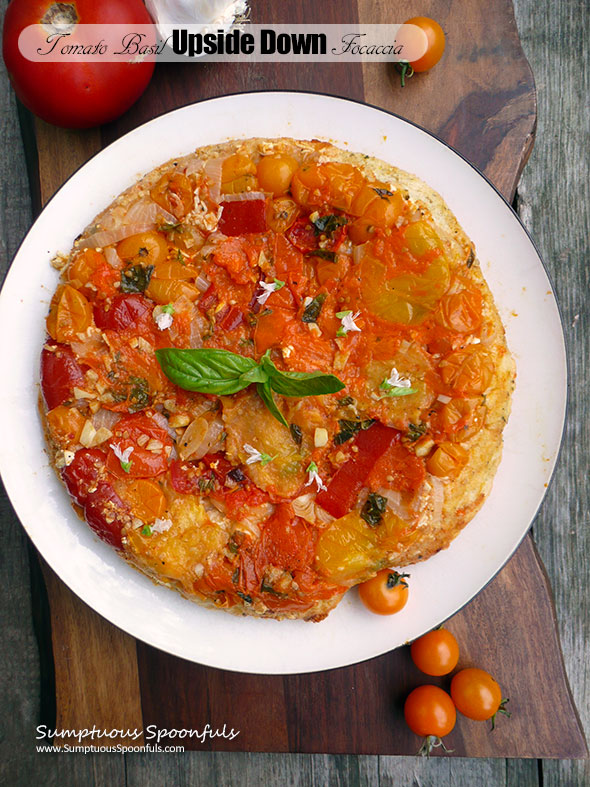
point(103, 512)
point(82, 474)
point(302, 235)
point(65, 424)
point(343, 490)
point(130, 313)
point(69, 315)
point(174, 193)
point(145, 248)
point(399, 469)
point(60, 373)
point(243, 217)
point(275, 173)
point(231, 319)
point(286, 541)
point(149, 442)
point(146, 499)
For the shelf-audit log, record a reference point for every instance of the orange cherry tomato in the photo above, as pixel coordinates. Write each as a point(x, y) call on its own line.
point(281, 214)
point(476, 694)
point(174, 193)
point(436, 653)
point(238, 173)
point(435, 43)
point(65, 424)
point(467, 371)
point(447, 460)
point(429, 712)
point(146, 499)
point(386, 593)
point(275, 173)
point(69, 314)
point(85, 266)
point(146, 248)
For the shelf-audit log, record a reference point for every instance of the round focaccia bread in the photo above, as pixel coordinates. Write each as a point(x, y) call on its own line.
point(368, 428)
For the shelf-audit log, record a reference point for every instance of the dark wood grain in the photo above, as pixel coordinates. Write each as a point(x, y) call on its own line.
point(494, 128)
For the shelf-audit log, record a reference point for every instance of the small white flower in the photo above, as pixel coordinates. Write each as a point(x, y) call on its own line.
point(123, 456)
point(163, 316)
point(161, 525)
point(255, 455)
point(313, 475)
point(395, 380)
point(269, 287)
point(348, 322)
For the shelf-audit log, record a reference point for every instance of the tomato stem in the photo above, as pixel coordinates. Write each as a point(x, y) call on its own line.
point(432, 742)
point(503, 710)
point(405, 70)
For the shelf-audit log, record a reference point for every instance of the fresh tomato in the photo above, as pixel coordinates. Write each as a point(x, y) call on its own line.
point(477, 695)
point(74, 94)
point(436, 653)
point(386, 593)
point(344, 488)
point(150, 444)
point(429, 712)
point(60, 373)
point(435, 46)
point(243, 216)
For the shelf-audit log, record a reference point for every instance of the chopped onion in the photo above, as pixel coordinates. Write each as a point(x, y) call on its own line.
point(438, 497)
point(243, 196)
point(194, 165)
point(394, 502)
point(105, 418)
point(106, 238)
point(199, 437)
point(212, 170)
point(113, 258)
point(443, 398)
point(358, 252)
point(305, 507)
point(202, 283)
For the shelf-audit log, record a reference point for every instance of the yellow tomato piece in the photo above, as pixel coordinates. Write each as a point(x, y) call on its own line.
point(65, 425)
point(238, 173)
point(406, 299)
point(146, 248)
point(146, 499)
point(281, 213)
point(84, 266)
point(69, 314)
point(239, 185)
point(172, 269)
point(275, 173)
point(174, 193)
point(447, 460)
point(467, 371)
point(169, 290)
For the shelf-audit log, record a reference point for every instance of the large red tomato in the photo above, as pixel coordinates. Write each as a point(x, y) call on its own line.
point(74, 94)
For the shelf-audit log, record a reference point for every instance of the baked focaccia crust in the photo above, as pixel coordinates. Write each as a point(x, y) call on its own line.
point(324, 261)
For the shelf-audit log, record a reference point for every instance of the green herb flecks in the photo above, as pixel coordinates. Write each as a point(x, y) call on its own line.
point(324, 254)
point(328, 224)
point(296, 433)
point(374, 508)
point(383, 193)
point(349, 429)
point(222, 373)
point(313, 308)
point(415, 431)
point(136, 278)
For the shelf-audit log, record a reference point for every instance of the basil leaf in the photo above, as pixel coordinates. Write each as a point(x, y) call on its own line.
point(374, 508)
point(206, 370)
point(296, 434)
point(254, 375)
point(136, 278)
point(397, 391)
point(300, 383)
point(383, 193)
point(265, 393)
point(313, 308)
point(348, 429)
point(327, 224)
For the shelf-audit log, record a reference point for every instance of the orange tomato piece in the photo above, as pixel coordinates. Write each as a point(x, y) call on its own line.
point(270, 328)
point(307, 185)
point(169, 290)
point(84, 266)
point(174, 193)
point(172, 269)
point(447, 460)
point(145, 248)
point(238, 173)
point(461, 311)
point(65, 424)
point(146, 499)
point(69, 314)
point(467, 371)
point(275, 173)
point(460, 419)
point(344, 184)
point(281, 213)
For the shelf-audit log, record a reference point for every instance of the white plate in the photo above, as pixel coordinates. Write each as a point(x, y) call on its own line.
point(441, 585)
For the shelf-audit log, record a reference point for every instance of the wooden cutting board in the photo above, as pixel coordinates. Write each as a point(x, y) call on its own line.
point(480, 99)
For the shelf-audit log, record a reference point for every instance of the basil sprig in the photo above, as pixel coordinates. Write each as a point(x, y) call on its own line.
point(222, 373)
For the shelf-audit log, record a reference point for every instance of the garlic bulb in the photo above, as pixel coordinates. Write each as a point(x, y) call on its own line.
point(210, 14)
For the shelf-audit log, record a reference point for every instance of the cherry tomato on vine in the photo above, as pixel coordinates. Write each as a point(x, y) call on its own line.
point(435, 46)
point(74, 94)
point(477, 695)
point(386, 593)
point(429, 712)
point(436, 653)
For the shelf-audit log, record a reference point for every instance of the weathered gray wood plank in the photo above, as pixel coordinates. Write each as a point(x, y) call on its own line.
point(554, 202)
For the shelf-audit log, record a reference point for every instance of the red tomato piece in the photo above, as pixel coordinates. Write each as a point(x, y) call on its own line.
point(104, 511)
point(208, 298)
point(131, 313)
point(60, 372)
point(244, 216)
point(83, 473)
point(146, 460)
point(286, 541)
point(231, 319)
point(185, 477)
point(343, 490)
point(303, 236)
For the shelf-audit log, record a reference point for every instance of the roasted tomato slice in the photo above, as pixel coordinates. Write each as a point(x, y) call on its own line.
point(144, 442)
point(104, 511)
point(60, 373)
point(82, 475)
point(130, 313)
point(302, 235)
point(244, 216)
